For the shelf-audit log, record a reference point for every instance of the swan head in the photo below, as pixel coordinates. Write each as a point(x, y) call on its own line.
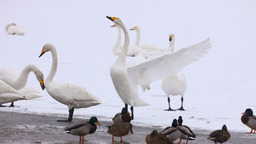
point(171, 37)
point(136, 28)
point(47, 47)
point(40, 78)
point(94, 120)
point(115, 20)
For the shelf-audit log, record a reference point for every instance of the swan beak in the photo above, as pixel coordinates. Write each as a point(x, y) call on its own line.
point(170, 37)
point(42, 84)
point(42, 52)
point(111, 18)
point(113, 25)
point(132, 28)
point(98, 123)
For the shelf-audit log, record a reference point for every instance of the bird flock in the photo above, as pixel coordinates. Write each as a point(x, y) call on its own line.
point(150, 63)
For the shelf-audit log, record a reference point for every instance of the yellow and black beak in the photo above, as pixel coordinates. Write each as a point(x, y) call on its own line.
point(111, 18)
point(132, 28)
point(113, 25)
point(42, 84)
point(42, 52)
point(170, 37)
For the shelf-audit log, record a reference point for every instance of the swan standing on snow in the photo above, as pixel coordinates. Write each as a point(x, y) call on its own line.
point(8, 94)
point(174, 84)
point(132, 50)
point(14, 29)
point(126, 79)
point(74, 96)
point(18, 80)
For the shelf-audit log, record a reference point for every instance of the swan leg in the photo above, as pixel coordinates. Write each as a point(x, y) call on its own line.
point(70, 117)
point(132, 112)
point(169, 109)
point(12, 104)
point(181, 108)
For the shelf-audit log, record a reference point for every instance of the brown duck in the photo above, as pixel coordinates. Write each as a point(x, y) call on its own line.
point(119, 130)
point(156, 138)
point(220, 136)
point(249, 119)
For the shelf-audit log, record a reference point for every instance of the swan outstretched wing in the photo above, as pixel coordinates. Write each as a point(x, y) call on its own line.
point(163, 66)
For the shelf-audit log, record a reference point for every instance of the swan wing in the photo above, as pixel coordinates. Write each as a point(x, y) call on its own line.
point(163, 66)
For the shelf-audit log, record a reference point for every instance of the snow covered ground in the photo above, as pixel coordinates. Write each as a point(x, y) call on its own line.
point(220, 85)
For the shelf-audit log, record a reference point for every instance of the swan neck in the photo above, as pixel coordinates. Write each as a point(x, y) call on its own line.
point(115, 48)
point(23, 77)
point(171, 46)
point(54, 65)
point(122, 56)
point(137, 42)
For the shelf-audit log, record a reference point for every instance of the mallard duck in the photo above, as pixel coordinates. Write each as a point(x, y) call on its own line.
point(249, 119)
point(122, 117)
point(186, 132)
point(156, 138)
point(119, 130)
point(83, 128)
point(220, 136)
point(172, 132)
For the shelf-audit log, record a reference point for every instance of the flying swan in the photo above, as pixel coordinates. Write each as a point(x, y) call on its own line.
point(74, 96)
point(126, 79)
point(17, 80)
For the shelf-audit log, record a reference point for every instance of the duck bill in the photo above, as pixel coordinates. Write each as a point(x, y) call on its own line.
point(243, 113)
point(98, 123)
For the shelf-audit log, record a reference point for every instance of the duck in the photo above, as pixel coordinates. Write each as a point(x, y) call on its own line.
point(18, 80)
point(14, 29)
point(172, 132)
point(120, 130)
point(186, 132)
point(220, 136)
point(83, 128)
point(133, 51)
point(71, 95)
point(9, 94)
point(156, 138)
point(122, 117)
point(249, 119)
point(127, 79)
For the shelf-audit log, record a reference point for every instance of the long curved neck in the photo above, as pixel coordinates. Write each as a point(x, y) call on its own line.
point(118, 41)
point(54, 65)
point(171, 46)
point(122, 56)
point(23, 77)
point(137, 42)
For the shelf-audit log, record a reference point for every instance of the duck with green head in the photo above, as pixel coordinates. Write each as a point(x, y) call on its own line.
point(122, 117)
point(249, 119)
point(83, 128)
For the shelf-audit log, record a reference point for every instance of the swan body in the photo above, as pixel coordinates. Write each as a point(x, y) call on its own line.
point(8, 94)
point(14, 29)
point(126, 79)
point(72, 95)
point(18, 80)
point(132, 50)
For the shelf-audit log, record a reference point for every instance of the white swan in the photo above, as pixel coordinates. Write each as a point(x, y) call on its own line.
point(175, 84)
point(132, 50)
point(126, 79)
point(149, 51)
point(14, 29)
point(18, 80)
point(74, 96)
point(8, 94)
